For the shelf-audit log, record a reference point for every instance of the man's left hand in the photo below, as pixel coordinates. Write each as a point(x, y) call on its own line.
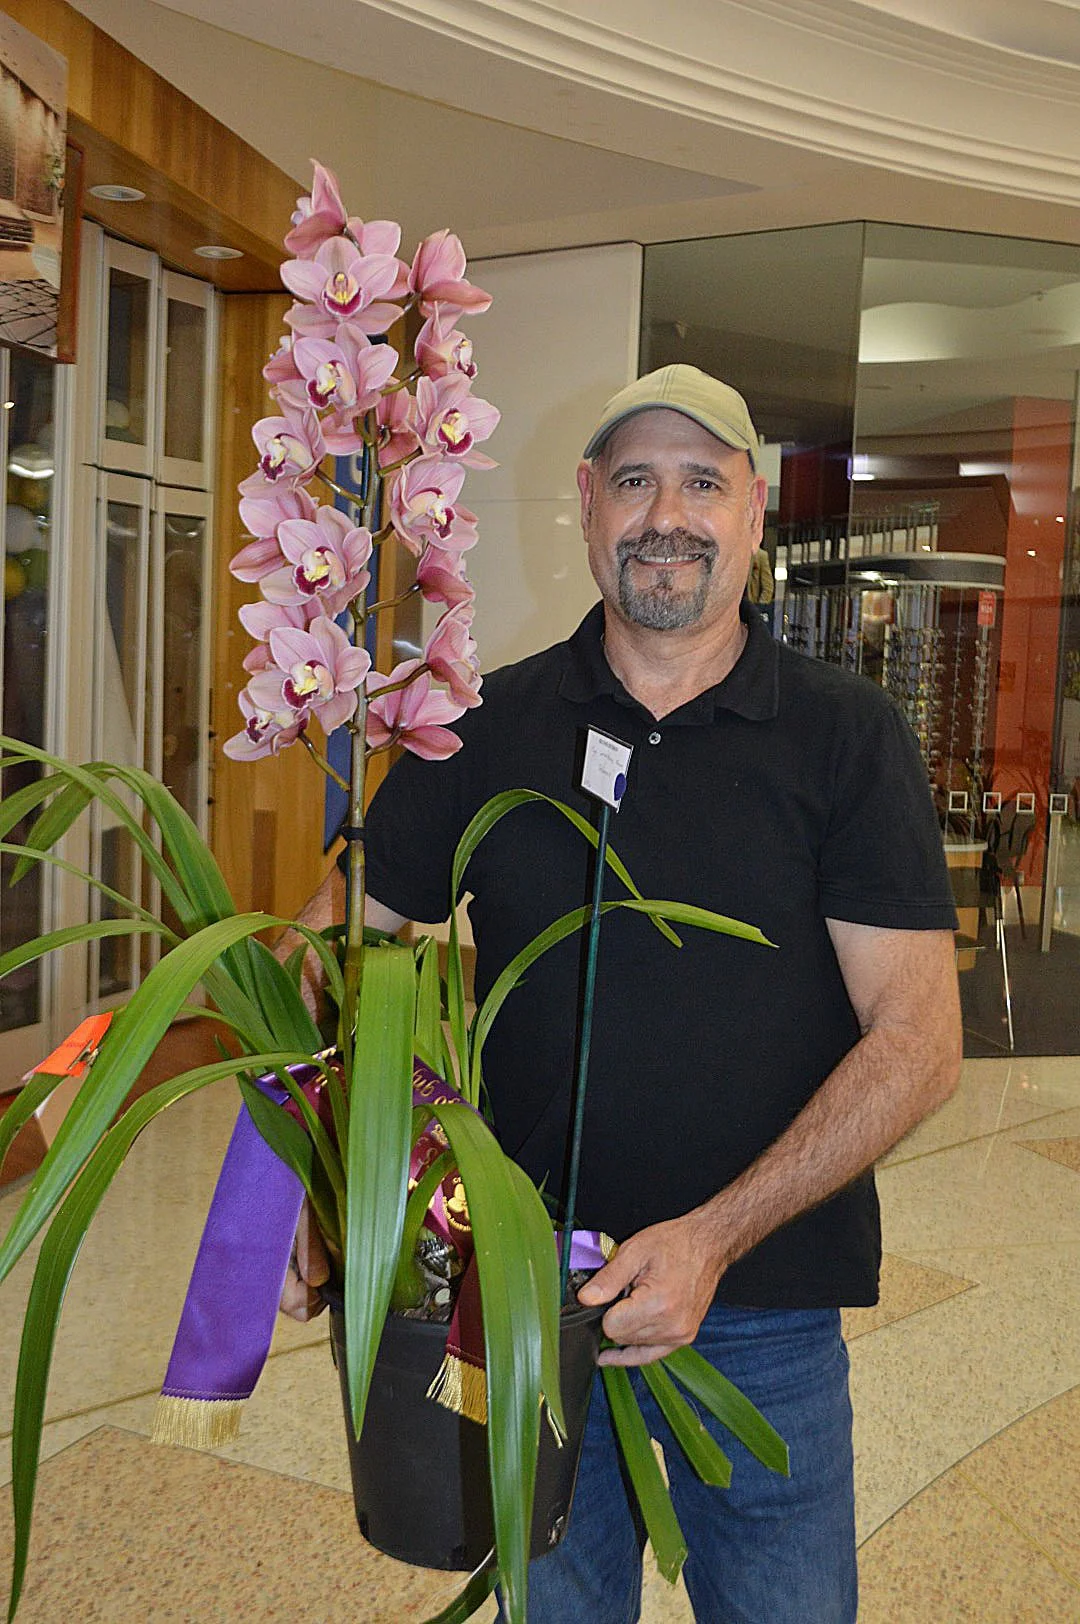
point(672, 1270)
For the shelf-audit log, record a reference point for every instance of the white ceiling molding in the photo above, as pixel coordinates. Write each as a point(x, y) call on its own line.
point(849, 80)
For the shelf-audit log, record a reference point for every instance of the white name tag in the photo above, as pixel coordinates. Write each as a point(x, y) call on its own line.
point(606, 761)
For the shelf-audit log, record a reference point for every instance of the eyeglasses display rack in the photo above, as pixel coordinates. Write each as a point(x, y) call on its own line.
point(884, 602)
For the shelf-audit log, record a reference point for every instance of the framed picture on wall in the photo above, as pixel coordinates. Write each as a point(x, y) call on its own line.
point(33, 136)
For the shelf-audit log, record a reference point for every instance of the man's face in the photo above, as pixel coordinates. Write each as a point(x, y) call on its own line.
point(672, 517)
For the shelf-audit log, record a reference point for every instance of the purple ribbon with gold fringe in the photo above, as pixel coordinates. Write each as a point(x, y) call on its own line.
point(227, 1322)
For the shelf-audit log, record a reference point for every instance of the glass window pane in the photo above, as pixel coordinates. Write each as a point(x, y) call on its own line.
point(27, 543)
point(126, 381)
point(181, 743)
point(184, 380)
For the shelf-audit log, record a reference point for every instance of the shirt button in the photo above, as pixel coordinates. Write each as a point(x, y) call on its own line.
point(654, 738)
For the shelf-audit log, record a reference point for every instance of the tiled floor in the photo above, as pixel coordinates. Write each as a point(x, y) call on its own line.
point(966, 1383)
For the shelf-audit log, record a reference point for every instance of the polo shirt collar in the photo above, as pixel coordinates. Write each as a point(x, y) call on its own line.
point(751, 688)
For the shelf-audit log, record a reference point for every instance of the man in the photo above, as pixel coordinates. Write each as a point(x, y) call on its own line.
point(738, 1096)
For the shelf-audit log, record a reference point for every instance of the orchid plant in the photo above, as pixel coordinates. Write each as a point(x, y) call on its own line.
point(413, 423)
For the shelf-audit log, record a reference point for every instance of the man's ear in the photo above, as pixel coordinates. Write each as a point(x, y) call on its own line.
point(585, 475)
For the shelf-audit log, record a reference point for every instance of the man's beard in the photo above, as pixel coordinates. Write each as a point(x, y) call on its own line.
point(664, 607)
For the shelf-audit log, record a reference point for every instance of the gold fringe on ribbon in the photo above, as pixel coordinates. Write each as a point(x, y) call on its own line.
point(461, 1387)
point(196, 1423)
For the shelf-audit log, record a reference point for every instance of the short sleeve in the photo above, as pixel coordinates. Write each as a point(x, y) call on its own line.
point(882, 861)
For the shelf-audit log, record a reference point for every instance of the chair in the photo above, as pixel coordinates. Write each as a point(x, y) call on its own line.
point(980, 888)
point(1009, 850)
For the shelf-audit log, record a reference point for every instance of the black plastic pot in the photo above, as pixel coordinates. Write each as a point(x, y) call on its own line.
point(420, 1472)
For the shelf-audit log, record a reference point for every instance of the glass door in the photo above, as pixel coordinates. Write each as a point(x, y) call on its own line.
point(29, 518)
point(120, 707)
point(128, 409)
point(186, 347)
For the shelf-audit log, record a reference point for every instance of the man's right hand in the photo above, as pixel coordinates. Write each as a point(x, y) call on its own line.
point(309, 1268)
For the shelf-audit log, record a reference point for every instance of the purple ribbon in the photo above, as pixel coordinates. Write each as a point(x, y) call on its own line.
point(232, 1301)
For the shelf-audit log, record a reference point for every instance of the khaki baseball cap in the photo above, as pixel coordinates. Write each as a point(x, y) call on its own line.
point(680, 388)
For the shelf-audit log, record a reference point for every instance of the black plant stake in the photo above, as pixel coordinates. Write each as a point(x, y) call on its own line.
point(604, 777)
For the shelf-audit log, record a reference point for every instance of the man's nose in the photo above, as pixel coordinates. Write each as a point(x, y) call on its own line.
point(667, 511)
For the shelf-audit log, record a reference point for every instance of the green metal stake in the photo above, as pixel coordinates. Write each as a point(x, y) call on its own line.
point(583, 1058)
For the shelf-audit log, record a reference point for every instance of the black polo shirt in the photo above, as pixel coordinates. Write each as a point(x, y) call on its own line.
point(790, 793)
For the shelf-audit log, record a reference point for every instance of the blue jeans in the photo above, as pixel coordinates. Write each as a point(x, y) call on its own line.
point(769, 1550)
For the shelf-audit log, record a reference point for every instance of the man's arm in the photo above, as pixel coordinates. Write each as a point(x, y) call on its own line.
point(309, 1267)
point(902, 985)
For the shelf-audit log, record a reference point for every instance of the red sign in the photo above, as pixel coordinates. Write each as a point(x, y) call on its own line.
point(987, 608)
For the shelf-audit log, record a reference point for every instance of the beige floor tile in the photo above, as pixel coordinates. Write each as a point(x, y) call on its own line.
point(991, 1192)
point(994, 1095)
point(1033, 1470)
point(929, 1389)
point(949, 1558)
point(224, 1541)
point(906, 1288)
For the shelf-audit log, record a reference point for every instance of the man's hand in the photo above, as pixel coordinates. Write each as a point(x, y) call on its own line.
point(309, 1269)
point(672, 1270)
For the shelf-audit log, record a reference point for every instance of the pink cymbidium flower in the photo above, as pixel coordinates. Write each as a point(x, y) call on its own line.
point(281, 367)
point(261, 515)
point(438, 351)
point(318, 216)
point(260, 619)
point(326, 562)
point(321, 671)
point(437, 277)
point(441, 577)
point(265, 731)
point(451, 420)
point(345, 284)
point(346, 375)
point(290, 449)
point(413, 715)
point(450, 656)
point(395, 415)
point(422, 506)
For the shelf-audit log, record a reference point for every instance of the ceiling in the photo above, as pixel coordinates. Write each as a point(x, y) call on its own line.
point(531, 124)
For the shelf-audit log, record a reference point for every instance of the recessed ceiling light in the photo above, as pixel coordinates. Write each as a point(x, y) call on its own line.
point(118, 194)
point(215, 250)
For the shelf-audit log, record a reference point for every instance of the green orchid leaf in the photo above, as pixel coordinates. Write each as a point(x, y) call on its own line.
point(409, 1285)
point(661, 1523)
point(511, 1270)
point(429, 1032)
point(546, 1268)
point(59, 1251)
point(723, 1399)
point(469, 1600)
point(27, 952)
point(48, 827)
point(133, 908)
point(127, 1046)
point(92, 778)
point(697, 1444)
point(22, 1107)
point(505, 983)
point(377, 1162)
point(499, 805)
point(283, 1007)
point(685, 913)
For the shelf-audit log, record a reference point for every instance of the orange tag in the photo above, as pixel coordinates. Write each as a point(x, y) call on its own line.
point(73, 1056)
